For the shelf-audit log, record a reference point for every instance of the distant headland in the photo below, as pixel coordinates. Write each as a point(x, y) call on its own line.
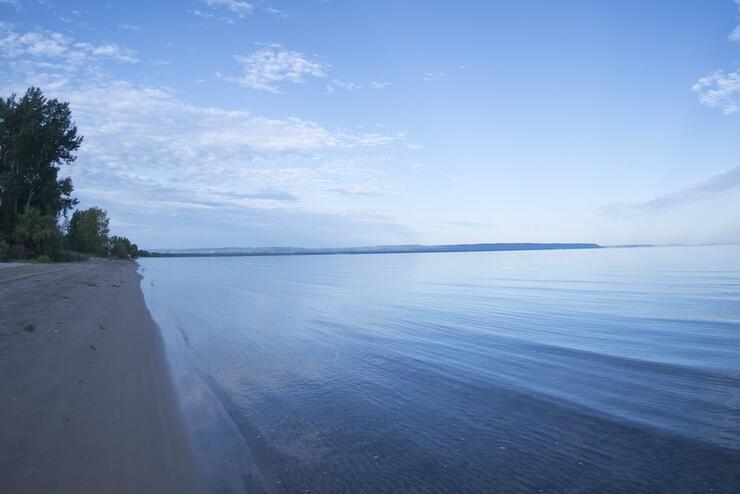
point(379, 249)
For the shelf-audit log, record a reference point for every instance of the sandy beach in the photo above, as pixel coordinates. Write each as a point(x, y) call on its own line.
point(86, 400)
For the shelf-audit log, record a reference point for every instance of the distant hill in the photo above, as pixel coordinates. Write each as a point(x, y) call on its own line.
point(379, 249)
point(628, 246)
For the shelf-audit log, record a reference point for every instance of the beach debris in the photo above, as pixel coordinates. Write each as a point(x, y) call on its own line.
point(93, 347)
point(30, 328)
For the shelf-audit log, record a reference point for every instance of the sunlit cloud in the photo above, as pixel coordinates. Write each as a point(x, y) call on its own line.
point(266, 68)
point(53, 45)
point(720, 90)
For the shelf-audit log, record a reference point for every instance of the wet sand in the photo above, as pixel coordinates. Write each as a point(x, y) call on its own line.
point(86, 400)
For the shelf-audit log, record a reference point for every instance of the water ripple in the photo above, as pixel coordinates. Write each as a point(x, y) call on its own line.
point(615, 370)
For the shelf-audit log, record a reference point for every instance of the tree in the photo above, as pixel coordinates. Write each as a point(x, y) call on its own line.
point(37, 137)
point(88, 231)
point(122, 248)
point(39, 234)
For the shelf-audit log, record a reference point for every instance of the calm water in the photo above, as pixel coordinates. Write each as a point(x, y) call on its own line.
point(614, 370)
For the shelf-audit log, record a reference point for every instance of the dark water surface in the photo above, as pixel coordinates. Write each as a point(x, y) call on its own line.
point(614, 370)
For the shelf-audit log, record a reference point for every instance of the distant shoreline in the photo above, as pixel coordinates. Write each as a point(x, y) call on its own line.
point(389, 249)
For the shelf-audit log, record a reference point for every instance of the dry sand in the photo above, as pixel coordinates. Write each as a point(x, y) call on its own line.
point(86, 400)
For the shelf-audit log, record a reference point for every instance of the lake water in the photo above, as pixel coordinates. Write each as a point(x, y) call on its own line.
point(611, 370)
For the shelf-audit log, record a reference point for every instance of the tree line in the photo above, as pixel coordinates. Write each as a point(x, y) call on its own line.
point(37, 138)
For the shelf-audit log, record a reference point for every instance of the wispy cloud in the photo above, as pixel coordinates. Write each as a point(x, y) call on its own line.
point(208, 15)
point(358, 191)
point(275, 12)
point(473, 224)
point(236, 7)
point(380, 84)
point(144, 138)
point(173, 133)
point(339, 84)
point(433, 76)
point(720, 89)
point(266, 68)
point(157, 215)
point(53, 45)
point(353, 86)
point(711, 187)
point(231, 11)
point(129, 27)
point(735, 34)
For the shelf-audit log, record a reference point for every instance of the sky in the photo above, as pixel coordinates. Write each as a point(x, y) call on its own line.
point(345, 123)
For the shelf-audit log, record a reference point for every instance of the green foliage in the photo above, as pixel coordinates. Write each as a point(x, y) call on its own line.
point(122, 248)
point(88, 231)
point(37, 136)
point(39, 234)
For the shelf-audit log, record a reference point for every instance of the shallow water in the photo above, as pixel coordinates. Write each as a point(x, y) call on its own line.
point(612, 370)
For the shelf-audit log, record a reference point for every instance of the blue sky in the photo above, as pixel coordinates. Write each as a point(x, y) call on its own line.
point(333, 123)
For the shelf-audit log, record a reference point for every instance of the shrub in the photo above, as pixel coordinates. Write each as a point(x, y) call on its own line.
point(39, 234)
point(17, 251)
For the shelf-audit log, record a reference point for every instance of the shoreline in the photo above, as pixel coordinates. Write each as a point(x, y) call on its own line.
point(87, 402)
point(388, 249)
